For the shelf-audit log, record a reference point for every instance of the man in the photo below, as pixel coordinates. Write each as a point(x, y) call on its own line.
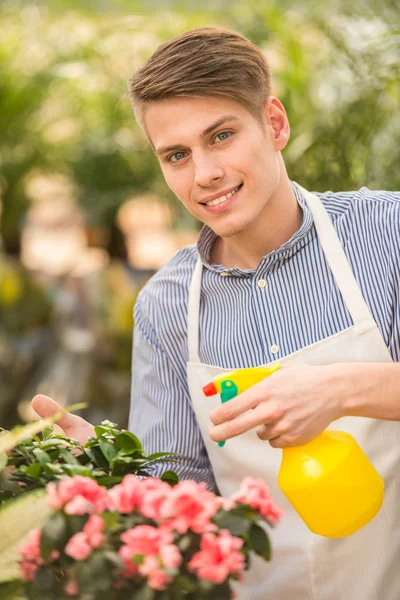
point(277, 274)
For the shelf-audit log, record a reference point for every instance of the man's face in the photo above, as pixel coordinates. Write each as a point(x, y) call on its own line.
point(217, 158)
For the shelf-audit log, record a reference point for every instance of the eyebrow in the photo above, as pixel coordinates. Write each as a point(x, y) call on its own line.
point(207, 131)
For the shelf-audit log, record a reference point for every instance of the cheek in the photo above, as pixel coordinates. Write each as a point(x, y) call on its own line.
point(179, 183)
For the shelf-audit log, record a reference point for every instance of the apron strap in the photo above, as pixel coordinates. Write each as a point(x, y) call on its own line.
point(338, 262)
point(194, 313)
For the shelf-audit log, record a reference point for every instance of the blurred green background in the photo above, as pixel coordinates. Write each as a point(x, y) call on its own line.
point(86, 217)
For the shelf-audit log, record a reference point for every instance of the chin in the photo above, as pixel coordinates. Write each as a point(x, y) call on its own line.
point(229, 230)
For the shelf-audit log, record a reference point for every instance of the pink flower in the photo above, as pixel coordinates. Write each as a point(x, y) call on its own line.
point(156, 578)
point(126, 556)
point(190, 506)
point(154, 492)
point(77, 495)
point(28, 570)
point(133, 493)
point(155, 545)
point(78, 547)
point(81, 545)
point(255, 493)
point(71, 589)
point(170, 556)
point(126, 496)
point(218, 558)
point(93, 531)
point(30, 551)
point(146, 540)
point(31, 557)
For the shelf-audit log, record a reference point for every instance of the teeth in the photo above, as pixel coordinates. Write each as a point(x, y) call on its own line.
point(222, 198)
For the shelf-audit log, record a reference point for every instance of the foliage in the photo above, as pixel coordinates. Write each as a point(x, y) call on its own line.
point(18, 517)
point(107, 458)
point(11, 439)
point(24, 305)
point(63, 74)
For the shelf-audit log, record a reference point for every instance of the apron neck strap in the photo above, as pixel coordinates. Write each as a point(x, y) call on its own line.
point(194, 312)
point(337, 262)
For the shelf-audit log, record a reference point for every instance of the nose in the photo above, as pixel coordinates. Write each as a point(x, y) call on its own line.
point(207, 169)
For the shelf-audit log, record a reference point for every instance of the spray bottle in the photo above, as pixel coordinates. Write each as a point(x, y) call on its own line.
point(329, 481)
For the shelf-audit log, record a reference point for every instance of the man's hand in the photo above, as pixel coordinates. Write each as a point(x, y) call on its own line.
point(73, 426)
point(289, 408)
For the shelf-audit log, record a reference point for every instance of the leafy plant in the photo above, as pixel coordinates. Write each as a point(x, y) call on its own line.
point(108, 457)
point(143, 539)
point(11, 439)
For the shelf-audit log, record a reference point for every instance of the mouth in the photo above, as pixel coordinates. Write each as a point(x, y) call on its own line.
point(223, 202)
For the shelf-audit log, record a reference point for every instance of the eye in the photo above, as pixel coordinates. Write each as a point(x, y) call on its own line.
point(178, 157)
point(223, 135)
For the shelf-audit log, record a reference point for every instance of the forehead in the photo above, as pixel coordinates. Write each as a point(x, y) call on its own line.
point(184, 120)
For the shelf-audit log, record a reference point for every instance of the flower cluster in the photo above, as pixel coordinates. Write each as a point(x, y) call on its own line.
point(145, 534)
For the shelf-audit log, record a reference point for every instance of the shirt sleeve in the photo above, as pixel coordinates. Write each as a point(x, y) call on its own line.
point(161, 414)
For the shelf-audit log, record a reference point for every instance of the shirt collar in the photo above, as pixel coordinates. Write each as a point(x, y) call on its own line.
point(301, 237)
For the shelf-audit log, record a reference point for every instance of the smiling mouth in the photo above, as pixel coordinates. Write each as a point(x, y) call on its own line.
point(224, 198)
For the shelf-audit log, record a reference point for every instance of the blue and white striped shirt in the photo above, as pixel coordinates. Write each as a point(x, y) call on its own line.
point(240, 322)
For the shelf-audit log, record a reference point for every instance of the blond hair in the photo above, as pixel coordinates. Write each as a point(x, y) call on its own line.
point(202, 62)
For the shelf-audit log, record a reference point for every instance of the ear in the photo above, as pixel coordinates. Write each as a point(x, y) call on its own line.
point(277, 122)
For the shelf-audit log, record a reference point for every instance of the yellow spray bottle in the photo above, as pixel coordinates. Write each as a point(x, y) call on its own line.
point(329, 481)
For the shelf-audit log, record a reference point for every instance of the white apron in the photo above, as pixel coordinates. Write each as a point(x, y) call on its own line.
point(304, 566)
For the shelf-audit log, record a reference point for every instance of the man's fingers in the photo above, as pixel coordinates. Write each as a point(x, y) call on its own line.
point(235, 427)
point(46, 407)
point(235, 407)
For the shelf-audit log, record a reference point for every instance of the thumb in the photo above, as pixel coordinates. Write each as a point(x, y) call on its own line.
point(46, 407)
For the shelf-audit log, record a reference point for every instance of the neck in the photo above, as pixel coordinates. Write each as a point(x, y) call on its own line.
point(279, 220)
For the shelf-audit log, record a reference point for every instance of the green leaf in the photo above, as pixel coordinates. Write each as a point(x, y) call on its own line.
point(111, 520)
point(259, 541)
point(83, 574)
point(101, 573)
point(97, 457)
point(45, 579)
point(185, 583)
point(170, 477)
point(47, 431)
point(157, 455)
point(128, 441)
point(145, 593)
point(5, 496)
point(109, 481)
point(99, 431)
point(51, 469)
point(14, 529)
point(108, 449)
point(12, 590)
point(12, 438)
point(68, 457)
point(236, 524)
point(3, 461)
point(53, 443)
point(54, 534)
point(41, 456)
point(78, 469)
point(34, 470)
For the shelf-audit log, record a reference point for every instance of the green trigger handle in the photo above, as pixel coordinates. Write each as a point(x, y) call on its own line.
point(229, 390)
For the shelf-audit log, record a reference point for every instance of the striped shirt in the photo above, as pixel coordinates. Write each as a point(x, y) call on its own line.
point(245, 324)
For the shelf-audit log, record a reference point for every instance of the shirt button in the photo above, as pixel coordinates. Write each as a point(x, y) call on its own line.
point(261, 283)
point(224, 274)
point(274, 349)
